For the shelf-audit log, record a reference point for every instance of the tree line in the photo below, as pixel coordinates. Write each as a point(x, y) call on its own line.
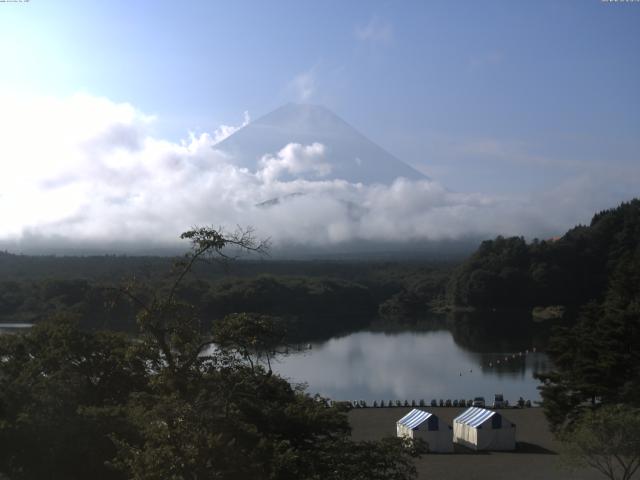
point(571, 270)
point(315, 305)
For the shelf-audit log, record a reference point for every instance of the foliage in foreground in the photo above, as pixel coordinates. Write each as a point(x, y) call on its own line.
point(607, 439)
point(166, 405)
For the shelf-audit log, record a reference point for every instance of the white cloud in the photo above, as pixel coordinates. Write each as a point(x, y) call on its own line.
point(294, 159)
point(87, 170)
point(375, 31)
point(224, 131)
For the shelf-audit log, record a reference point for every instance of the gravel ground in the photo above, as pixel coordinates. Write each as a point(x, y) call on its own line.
point(535, 457)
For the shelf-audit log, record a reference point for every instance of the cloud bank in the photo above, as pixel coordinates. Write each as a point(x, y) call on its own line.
point(86, 170)
point(294, 159)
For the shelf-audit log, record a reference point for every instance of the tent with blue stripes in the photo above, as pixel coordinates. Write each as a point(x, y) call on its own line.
point(483, 429)
point(426, 426)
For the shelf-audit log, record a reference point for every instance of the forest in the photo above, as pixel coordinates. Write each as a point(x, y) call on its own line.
point(139, 406)
point(571, 270)
point(317, 298)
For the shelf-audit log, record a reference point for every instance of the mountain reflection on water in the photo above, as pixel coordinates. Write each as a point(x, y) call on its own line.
point(450, 360)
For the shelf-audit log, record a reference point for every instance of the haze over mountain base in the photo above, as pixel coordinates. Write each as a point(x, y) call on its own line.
point(98, 181)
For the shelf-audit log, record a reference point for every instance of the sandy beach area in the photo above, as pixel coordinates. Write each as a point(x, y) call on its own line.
point(536, 456)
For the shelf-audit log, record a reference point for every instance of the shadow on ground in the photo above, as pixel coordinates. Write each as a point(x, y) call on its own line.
point(525, 447)
point(521, 447)
point(462, 450)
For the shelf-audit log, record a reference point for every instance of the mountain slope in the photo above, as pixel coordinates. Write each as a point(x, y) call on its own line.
point(350, 155)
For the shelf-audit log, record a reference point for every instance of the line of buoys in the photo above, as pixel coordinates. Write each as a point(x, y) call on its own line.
point(521, 403)
point(512, 357)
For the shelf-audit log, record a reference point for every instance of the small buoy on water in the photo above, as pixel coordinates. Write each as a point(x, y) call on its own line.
point(534, 349)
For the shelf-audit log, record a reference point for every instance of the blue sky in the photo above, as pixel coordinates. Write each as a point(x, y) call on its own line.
point(493, 97)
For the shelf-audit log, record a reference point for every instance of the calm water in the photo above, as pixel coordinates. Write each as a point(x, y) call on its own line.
point(413, 365)
point(453, 360)
point(14, 327)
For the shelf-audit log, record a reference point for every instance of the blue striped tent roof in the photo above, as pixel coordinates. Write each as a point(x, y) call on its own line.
point(414, 418)
point(474, 416)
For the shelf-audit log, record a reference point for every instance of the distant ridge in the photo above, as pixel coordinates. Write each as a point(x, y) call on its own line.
point(351, 155)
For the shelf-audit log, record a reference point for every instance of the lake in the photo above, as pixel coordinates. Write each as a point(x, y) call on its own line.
point(414, 365)
point(450, 358)
point(14, 327)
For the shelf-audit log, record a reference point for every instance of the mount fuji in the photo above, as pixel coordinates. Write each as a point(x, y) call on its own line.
point(342, 152)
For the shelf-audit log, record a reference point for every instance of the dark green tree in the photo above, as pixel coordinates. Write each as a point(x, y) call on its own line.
point(61, 395)
point(597, 361)
point(571, 270)
point(606, 439)
point(165, 404)
point(253, 336)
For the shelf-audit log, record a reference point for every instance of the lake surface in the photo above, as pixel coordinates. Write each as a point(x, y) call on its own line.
point(415, 365)
point(14, 327)
point(460, 358)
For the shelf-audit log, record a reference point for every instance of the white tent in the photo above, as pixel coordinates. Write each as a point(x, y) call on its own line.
point(426, 426)
point(483, 429)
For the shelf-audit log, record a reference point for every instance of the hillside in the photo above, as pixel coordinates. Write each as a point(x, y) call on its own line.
point(570, 271)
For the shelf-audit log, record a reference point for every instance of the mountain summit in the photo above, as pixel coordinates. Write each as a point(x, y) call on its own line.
point(346, 154)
